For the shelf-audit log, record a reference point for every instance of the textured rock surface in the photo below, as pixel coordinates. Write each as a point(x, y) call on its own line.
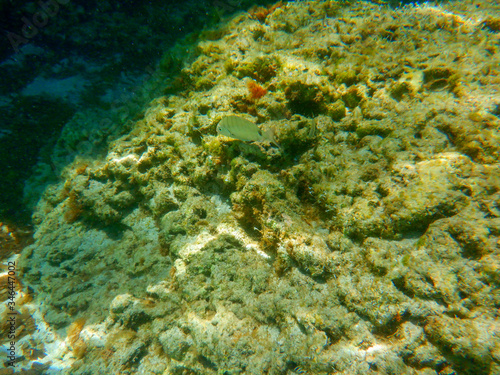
point(368, 242)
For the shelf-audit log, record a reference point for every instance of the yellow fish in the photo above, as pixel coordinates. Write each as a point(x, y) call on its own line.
point(239, 128)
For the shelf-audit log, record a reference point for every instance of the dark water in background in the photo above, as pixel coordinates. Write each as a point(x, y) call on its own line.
point(59, 56)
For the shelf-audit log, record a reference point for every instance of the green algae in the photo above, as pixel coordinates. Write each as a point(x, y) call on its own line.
point(373, 227)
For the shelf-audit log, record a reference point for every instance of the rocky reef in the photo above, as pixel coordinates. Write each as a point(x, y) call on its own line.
point(365, 242)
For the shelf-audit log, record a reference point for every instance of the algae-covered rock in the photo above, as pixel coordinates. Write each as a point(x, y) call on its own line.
point(364, 238)
point(471, 343)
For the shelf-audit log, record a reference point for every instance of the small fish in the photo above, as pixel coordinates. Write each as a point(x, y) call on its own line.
point(239, 128)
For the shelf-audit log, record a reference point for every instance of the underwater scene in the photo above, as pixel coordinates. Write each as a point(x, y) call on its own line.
point(250, 187)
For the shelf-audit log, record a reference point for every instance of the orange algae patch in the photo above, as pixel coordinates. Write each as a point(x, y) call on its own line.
point(77, 344)
point(261, 13)
point(256, 90)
